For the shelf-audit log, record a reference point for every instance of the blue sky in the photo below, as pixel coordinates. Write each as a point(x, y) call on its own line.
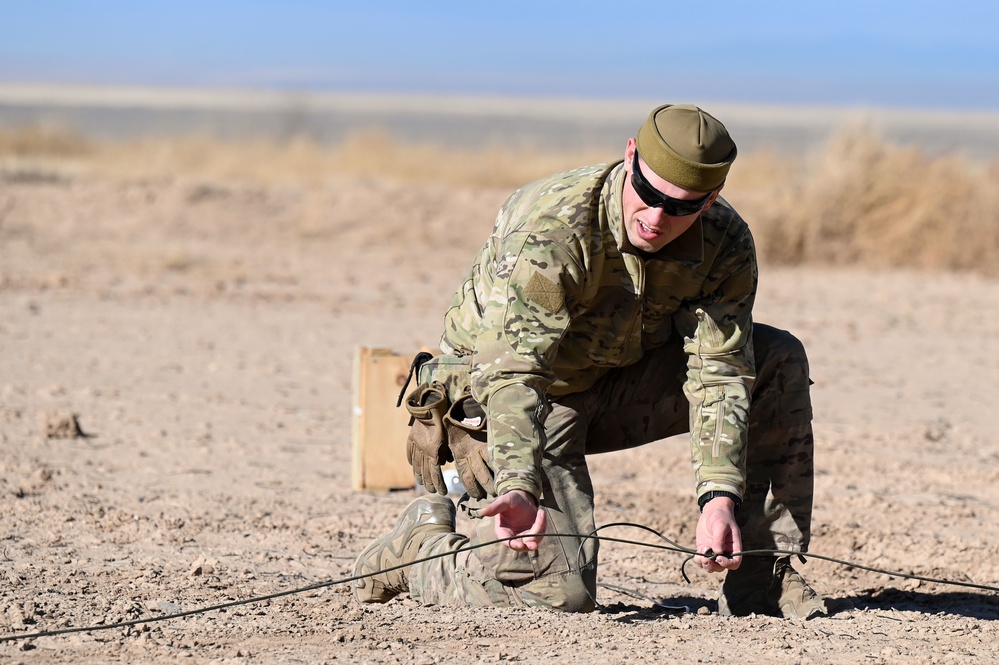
point(844, 52)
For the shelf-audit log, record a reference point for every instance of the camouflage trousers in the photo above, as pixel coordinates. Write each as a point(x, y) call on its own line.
point(628, 407)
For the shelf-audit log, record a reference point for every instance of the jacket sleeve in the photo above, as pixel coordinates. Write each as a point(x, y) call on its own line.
point(524, 318)
point(720, 371)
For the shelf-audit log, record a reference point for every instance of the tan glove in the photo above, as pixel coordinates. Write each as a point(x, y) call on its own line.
point(426, 447)
point(466, 432)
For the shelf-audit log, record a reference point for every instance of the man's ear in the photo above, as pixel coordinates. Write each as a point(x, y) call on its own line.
point(629, 152)
point(714, 197)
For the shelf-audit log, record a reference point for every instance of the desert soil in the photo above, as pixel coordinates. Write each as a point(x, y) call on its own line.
point(201, 335)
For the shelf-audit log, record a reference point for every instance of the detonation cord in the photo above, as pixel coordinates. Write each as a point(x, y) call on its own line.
point(669, 545)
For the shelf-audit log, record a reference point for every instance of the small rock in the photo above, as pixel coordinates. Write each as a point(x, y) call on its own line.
point(15, 617)
point(202, 566)
point(164, 606)
point(63, 425)
point(937, 430)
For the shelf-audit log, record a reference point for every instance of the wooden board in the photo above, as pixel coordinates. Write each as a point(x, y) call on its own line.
point(380, 428)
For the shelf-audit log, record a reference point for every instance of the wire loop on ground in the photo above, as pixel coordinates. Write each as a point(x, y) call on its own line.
point(669, 545)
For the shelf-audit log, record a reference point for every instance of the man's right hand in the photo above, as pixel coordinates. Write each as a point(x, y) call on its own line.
point(518, 514)
point(718, 533)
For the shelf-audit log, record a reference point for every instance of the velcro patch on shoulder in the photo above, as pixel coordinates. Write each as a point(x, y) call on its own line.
point(545, 293)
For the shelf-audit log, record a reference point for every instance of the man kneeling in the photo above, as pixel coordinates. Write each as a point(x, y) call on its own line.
point(611, 307)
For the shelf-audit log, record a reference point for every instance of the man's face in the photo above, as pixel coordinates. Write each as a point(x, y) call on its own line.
point(650, 229)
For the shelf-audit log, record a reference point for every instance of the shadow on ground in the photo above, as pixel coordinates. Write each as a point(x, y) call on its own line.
point(668, 607)
point(971, 605)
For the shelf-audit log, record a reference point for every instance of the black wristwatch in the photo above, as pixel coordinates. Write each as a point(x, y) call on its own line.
point(714, 494)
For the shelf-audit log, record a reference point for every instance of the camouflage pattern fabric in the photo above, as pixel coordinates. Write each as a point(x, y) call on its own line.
point(558, 297)
point(628, 407)
point(576, 343)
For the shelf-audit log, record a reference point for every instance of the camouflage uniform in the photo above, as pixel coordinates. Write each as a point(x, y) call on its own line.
point(576, 343)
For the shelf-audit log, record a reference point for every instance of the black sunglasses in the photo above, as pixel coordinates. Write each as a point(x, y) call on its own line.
point(656, 199)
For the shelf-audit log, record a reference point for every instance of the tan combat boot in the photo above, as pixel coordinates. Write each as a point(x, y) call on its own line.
point(424, 517)
point(771, 587)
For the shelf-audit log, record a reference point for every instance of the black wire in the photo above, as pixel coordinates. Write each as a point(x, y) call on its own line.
point(637, 594)
point(247, 601)
point(671, 546)
point(851, 564)
point(674, 546)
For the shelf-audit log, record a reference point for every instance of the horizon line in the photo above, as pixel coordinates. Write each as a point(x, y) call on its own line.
point(153, 96)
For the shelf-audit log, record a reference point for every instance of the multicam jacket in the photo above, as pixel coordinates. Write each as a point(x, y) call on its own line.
point(558, 297)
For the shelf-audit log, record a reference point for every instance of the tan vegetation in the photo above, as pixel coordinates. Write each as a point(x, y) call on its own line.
point(859, 201)
point(866, 202)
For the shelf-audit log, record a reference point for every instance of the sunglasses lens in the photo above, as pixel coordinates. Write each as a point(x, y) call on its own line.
point(653, 198)
point(680, 209)
point(650, 196)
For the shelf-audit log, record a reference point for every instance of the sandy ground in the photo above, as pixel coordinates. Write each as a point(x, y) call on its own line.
point(203, 333)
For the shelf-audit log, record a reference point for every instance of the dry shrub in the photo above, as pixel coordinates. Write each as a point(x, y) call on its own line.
point(863, 201)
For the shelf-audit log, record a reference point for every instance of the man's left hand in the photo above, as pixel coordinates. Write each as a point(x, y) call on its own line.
point(718, 533)
point(518, 514)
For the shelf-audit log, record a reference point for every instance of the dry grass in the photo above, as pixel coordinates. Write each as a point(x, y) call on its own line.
point(858, 201)
point(866, 202)
point(367, 155)
point(39, 141)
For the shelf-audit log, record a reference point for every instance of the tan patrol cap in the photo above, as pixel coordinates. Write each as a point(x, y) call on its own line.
point(687, 147)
